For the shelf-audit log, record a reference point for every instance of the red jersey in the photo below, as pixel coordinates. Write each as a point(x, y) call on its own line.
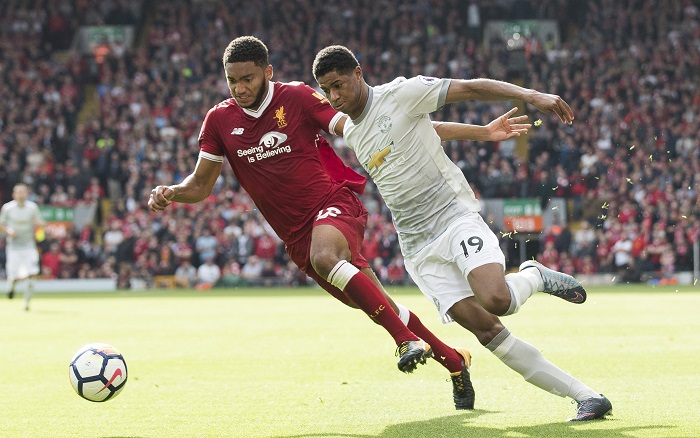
point(278, 156)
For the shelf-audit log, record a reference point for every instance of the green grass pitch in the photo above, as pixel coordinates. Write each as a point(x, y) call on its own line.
point(296, 363)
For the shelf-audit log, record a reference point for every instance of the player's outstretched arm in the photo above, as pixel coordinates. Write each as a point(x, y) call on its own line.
point(502, 128)
point(489, 89)
point(458, 131)
point(505, 126)
point(196, 187)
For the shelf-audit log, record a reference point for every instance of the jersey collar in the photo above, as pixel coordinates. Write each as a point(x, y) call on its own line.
point(265, 103)
point(370, 96)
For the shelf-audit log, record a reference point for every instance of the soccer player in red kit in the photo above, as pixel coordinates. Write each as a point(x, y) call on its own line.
point(269, 133)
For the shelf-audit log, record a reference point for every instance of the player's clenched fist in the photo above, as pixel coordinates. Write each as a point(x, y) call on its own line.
point(160, 198)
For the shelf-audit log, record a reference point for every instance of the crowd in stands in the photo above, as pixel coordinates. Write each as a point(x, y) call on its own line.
point(629, 165)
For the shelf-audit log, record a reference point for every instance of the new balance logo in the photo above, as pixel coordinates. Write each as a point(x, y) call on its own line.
point(330, 211)
point(237, 131)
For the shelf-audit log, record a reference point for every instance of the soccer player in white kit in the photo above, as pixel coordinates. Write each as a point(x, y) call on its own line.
point(19, 219)
point(449, 251)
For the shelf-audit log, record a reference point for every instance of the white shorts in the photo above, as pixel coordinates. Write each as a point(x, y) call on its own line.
point(22, 263)
point(440, 269)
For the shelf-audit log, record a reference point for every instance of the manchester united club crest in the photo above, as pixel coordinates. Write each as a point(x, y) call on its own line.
point(384, 124)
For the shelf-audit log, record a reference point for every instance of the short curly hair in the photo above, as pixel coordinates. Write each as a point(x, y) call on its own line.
point(247, 48)
point(334, 58)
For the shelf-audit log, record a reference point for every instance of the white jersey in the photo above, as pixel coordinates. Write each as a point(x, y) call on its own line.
point(395, 142)
point(22, 220)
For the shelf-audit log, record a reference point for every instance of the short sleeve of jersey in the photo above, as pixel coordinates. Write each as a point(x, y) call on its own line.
point(3, 215)
point(210, 144)
point(318, 108)
point(421, 94)
point(36, 213)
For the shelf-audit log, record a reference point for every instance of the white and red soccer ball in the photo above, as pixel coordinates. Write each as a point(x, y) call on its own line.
point(97, 372)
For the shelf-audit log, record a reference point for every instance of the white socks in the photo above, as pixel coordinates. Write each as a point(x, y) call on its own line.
point(522, 285)
point(527, 361)
point(28, 293)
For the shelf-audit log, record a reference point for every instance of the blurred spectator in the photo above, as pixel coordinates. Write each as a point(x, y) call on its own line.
point(266, 247)
point(231, 276)
point(181, 249)
point(658, 246)
point(186, 275)
point(567, 264)
point(395, 272)
point(252, 270)
point(270, 273)
point(51, 261)
point(291, 276)
point(165, 259)
point(112, 237)
point(584, 241)
point(587, 265)
point(246, 248)
point(622, 253)
point(550, 256)
point(69, 258)
point(380, 270)
point(667, 262)
point(206, 245)
point(388, 243)
point(639, 270)
point(125, 249)
point(208, 274)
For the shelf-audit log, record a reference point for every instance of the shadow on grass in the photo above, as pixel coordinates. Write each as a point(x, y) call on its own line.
point(311, 290)
point(460, 426)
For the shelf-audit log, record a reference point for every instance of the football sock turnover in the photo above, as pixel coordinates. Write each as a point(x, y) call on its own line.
point(370, 299)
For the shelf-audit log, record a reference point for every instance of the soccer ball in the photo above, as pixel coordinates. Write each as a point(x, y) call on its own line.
point(97, 372)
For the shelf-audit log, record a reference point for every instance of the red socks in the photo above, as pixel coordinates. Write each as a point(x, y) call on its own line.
point(360, 289)
point(444, 354)
point(370, 299)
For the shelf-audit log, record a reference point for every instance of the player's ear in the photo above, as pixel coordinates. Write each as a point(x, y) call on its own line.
point(357, 72)
point(268, 72)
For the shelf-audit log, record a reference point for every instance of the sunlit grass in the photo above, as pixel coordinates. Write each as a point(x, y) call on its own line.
point(296, 363)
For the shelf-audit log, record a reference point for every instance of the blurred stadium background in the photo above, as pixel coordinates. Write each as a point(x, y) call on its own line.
point(102, 100)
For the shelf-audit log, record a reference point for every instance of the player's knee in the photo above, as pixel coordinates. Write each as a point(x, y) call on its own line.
point(324, 261)
point(496, 303)
point(484, 325)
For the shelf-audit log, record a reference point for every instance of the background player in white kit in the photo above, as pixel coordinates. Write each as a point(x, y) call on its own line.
point(19, 219)
point(449, 251)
